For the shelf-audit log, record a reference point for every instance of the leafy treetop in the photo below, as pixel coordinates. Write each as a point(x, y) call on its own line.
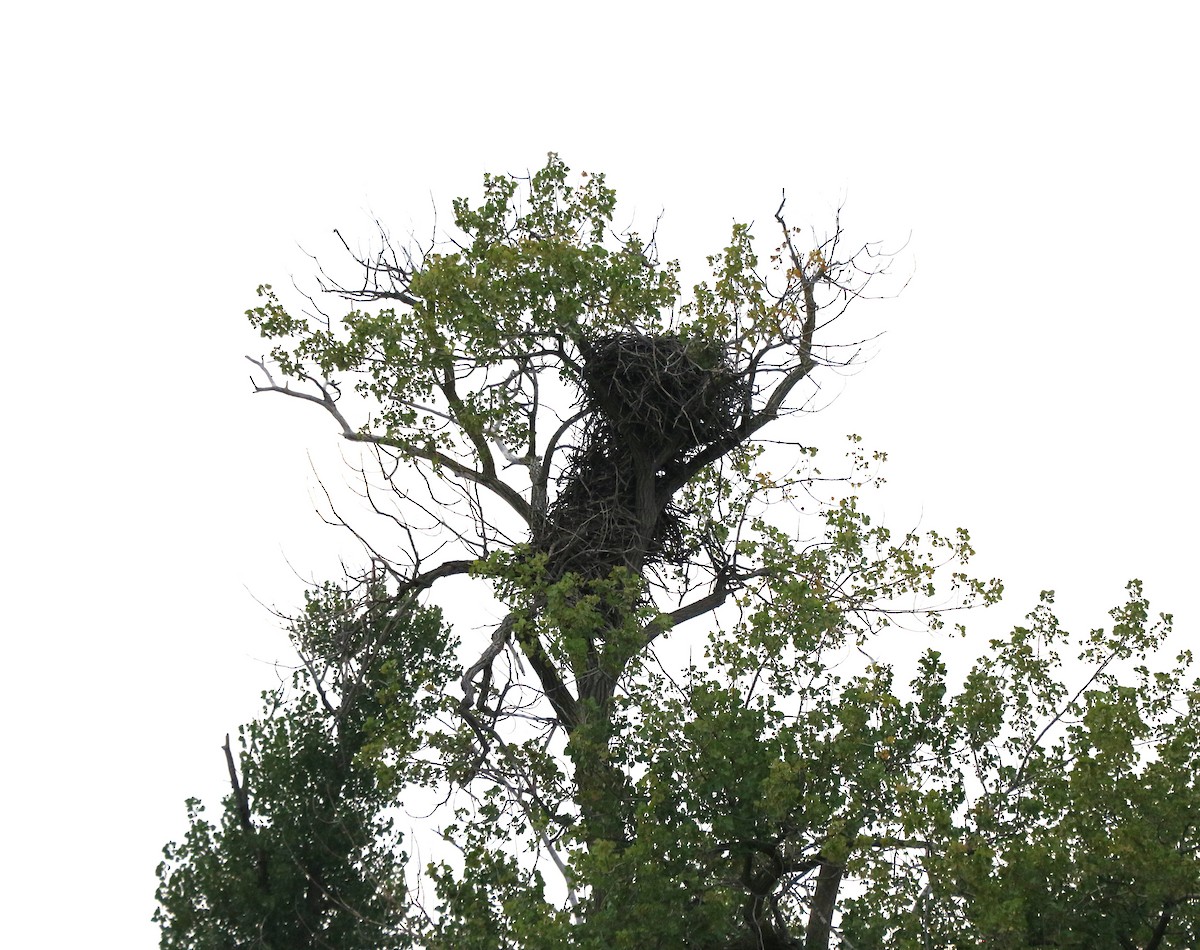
point(680, 714)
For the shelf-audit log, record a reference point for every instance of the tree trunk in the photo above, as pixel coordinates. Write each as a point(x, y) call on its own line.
point(820, 915)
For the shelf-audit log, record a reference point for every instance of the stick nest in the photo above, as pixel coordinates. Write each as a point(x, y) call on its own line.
point(652, 402)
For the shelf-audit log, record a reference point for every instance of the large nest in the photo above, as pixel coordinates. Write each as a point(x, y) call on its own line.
point(652, 402)
point(662, 394)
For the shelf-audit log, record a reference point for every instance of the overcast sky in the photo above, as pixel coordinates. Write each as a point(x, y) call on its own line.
point(1036, 382)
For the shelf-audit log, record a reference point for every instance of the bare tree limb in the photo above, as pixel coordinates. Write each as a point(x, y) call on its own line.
point(488, 479)
point(239, 792)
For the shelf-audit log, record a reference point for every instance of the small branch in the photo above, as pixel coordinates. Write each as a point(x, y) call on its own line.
point(543, 477)
point(325, 400)
point(517, 796)
point(1018, 778)
point(371, 271)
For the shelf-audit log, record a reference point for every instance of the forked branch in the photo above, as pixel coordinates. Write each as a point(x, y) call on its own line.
point(439, 460)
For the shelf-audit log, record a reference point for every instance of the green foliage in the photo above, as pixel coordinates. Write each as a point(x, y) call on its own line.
point(318, 844)
point(518, 282)
point(306, 853)
point(616, 774)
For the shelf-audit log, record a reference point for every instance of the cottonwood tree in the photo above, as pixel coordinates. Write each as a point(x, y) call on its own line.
point(678, 732)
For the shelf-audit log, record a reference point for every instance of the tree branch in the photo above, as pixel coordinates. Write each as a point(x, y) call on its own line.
point(820, 917)
point(489, 480)
point(239, 793)
point(447, 569)
point(769, 412)
point(499, 637)
point(493, 483)
point(664, 622)
point(461, 413)
point(564, 704)
point(1160, 929)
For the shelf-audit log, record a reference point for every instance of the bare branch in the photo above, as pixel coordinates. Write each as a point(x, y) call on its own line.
point(487, 478)
point(239, 792)
point(499, 637)
point(696, 608)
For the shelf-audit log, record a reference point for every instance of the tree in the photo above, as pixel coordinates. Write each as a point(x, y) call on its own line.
point(678, 715)
point(306, 855)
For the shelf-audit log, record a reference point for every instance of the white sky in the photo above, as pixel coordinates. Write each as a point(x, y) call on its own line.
point(1035, 385)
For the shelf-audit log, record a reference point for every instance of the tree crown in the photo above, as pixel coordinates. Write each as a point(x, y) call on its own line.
point(593, 451)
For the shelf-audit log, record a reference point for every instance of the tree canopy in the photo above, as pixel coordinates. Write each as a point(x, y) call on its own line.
point(684, 728)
